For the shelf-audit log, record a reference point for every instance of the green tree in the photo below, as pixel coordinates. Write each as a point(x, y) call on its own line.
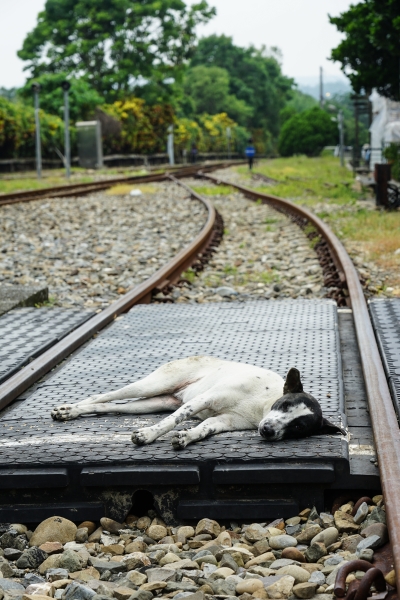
point(255, 78)
point(298, 103)
point(370, 51)
point(116, 44)
point(209, 89)
point(307, 133)
point(83, 99)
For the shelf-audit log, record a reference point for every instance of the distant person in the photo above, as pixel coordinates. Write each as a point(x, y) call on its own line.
point(250, 153)
point(193, 153)
point(366, 154)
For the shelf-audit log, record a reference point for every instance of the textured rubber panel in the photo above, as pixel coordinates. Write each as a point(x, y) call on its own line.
point(386, 320)
point(275, 335)
point(27, 332)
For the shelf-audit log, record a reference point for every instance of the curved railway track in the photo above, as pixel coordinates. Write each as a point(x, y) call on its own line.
point(339, 272)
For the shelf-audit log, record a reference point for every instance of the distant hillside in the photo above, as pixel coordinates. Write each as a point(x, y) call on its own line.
point(339, 86)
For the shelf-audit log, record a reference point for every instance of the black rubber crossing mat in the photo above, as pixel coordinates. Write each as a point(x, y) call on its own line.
point(385, 315)
point(25, 333)
point(271, 334)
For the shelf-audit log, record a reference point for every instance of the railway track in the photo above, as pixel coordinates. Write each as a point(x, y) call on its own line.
point(340, 274)
point(81, 189)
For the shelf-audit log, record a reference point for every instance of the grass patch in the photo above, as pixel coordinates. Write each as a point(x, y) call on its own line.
point(124, 189)
point(190, 275)
point(55, 177)
point(309, 180)
point(8, 186)
point(328, 189)
point(47, 303)
point(215, 190)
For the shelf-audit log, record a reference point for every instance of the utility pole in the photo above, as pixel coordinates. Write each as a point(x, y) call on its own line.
point(356, 161)
point(228, 137)
point(67, 149)
point(321, 87)
point(38, 149)
point(341, 137)
point(171, 145)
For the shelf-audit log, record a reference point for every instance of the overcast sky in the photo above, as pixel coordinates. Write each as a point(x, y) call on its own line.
point(299, 28)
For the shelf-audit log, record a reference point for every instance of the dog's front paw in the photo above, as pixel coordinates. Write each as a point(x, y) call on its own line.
point(180, 440)
point(64, 413)
point(140, 437)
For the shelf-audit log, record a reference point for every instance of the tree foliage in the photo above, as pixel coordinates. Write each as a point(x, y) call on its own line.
point(209, 89)
point(255, 78)
point(83, 99)
point(17, 131)
point(370, 51)
point(209, 133)
point(115, 43)
point(298, 103)
point(307, 133)
point(143, 128)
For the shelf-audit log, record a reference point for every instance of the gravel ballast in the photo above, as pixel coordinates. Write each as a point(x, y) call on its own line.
point(263, 255)
point(143, 558)
point(89, 250)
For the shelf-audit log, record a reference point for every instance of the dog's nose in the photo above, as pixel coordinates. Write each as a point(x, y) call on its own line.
point(267, 431)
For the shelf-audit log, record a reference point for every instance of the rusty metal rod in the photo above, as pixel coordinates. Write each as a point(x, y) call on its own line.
point(383, 417)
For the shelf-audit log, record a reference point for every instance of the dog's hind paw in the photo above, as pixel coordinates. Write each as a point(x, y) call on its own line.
point(140, 437)
point(180, 440)
point(64, 413)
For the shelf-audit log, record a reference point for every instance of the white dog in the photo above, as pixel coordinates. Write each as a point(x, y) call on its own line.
point(224, 395)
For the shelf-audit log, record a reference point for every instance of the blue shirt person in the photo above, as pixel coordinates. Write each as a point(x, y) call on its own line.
point(250, 153)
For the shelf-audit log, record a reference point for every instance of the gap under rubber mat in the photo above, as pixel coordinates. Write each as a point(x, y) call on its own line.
point(386, 320)
point(25, 333)
point(90, 466)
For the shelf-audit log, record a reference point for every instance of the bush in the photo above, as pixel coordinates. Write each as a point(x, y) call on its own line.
point(17, 131)
point(209, 134)
point(392, 154)
point(143, 128)
point(307, 133)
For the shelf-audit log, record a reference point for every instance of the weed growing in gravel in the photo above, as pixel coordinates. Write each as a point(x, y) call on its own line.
point(190, 275)
point(124, 189)
point(215, 190)
point(47, 303)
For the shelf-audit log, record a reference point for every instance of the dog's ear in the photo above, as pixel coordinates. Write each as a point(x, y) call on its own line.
point(329, 428)
point(293, 383)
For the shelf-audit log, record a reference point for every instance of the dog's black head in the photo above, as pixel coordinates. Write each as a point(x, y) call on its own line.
point(295, 415)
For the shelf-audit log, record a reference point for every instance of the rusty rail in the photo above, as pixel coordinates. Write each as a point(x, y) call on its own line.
point(383, 418)
point(140, 294)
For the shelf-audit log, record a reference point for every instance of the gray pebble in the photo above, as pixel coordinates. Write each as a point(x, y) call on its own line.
point(371, 541)
point(283, 562)
point(361, 513)
point(317, 577)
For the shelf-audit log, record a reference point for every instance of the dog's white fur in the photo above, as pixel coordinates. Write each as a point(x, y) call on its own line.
point(226, 396)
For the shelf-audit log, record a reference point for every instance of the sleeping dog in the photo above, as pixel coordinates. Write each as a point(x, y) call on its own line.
point(224, 395)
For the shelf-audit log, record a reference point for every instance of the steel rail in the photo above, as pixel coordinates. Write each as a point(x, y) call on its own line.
point(383, 418)
point(140, 294)
point(79, 189)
